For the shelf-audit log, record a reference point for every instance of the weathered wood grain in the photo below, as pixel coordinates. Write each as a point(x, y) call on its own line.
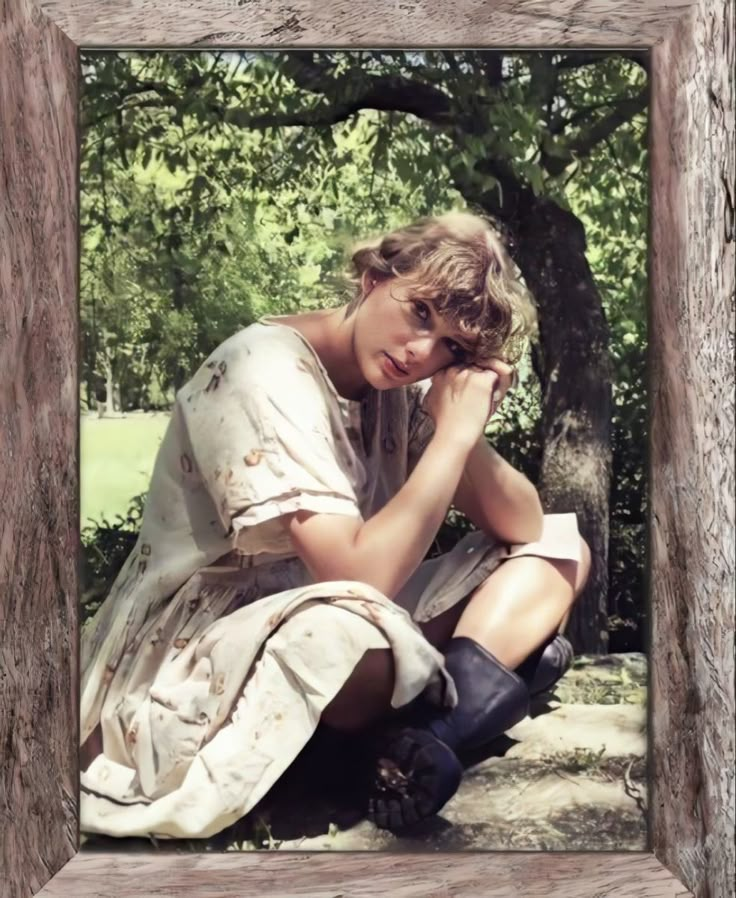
point(346, 23)
point(692, 451)
point(38, 439)
point(288, 875)
point(693, 524)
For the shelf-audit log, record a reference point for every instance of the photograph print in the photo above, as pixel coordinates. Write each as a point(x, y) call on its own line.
point(363, 450)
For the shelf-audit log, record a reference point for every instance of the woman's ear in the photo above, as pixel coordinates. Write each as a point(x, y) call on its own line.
point(367, 282)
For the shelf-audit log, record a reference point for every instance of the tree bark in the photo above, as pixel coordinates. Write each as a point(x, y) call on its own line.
point(108, 407)
point(178, 292)
point(575, 371)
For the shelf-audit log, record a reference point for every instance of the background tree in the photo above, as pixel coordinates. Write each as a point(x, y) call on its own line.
point(275, 161)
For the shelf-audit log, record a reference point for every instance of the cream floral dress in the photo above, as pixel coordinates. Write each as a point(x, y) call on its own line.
point(211, 660)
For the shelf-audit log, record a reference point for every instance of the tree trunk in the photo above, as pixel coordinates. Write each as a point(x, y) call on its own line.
point(178, 293)
point(573, 363)
point(574, 367)
point(108, 406)
point(89, 393)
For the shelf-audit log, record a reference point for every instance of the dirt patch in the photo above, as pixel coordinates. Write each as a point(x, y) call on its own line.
point(605, 680)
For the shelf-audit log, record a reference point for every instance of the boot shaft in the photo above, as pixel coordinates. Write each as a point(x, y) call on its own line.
point(491, 698)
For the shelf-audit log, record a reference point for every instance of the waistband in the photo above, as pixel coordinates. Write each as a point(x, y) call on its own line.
point(237, 561)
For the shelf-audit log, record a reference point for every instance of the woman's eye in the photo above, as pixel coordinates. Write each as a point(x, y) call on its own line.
point(422, 310)
point(457, 350)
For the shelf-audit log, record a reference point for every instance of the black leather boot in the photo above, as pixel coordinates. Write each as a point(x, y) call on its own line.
point(545, 666)
point(417, 768)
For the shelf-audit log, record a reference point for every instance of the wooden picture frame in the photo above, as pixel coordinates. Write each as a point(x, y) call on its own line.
point(692, 523)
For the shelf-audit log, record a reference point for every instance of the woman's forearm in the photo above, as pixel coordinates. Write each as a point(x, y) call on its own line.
point(389, 546)
point(497, 498)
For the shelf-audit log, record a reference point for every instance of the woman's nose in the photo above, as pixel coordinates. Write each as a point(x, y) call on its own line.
point(421, 348)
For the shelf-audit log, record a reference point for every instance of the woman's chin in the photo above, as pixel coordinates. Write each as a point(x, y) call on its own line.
point(377, 378)
point(383, 383)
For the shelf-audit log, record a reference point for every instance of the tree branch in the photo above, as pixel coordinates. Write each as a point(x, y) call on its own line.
point(577, 60)
point(561, 123)
point(543, 83)
point(491, 62)
point(625, 173)
point(354, 90)
point(623, 111)
point(342, 95)
point(385, 93)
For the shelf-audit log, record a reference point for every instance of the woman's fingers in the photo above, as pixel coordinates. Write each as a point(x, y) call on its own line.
point(502, 369)
point(495, 376)
point(507, 378)
point(505, 374)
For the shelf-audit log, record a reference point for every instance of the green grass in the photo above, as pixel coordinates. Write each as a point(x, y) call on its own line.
point(116, 461)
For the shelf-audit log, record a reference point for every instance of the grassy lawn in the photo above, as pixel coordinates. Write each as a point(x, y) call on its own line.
point(117, 456)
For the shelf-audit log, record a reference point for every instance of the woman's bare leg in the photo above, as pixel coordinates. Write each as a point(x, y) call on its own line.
point(524, 601)
point(91, 748)
point(512, 612)
point(440, 629)
point(365, 697)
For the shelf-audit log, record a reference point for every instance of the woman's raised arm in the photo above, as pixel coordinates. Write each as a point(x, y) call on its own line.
point(385, 550)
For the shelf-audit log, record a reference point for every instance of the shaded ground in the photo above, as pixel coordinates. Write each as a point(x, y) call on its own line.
point(571, 776)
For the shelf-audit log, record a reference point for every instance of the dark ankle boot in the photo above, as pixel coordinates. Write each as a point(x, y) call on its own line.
point(417, 768)
point(545, 666)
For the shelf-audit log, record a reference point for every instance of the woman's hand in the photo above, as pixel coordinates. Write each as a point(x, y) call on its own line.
point(462, 400)
point(507, 378)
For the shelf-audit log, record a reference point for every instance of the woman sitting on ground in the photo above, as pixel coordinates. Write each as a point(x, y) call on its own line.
point(279, 579)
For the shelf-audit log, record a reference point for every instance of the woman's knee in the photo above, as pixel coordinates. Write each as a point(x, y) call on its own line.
point(344, 645)
point(365, 695)
point(583, 572)
point(576, 573)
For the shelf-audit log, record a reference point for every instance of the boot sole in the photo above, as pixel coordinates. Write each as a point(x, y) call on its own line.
point(416, 774)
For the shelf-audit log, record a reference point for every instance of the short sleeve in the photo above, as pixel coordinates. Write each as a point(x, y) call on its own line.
point(421, 425)
point(266, 431)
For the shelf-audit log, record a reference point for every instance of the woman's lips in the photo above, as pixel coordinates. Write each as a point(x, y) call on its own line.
point(392, 368)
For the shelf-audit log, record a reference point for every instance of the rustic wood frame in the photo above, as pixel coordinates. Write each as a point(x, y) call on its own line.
point(691, 445)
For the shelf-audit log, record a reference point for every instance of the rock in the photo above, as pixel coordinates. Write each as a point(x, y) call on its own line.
point(611, 730)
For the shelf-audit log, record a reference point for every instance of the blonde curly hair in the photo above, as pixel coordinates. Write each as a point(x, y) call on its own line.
point(457, 262)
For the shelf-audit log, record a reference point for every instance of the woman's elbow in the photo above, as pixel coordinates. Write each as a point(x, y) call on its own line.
point(529, 524)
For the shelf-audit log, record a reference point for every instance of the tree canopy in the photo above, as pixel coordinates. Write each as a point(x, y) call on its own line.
point(220, 186)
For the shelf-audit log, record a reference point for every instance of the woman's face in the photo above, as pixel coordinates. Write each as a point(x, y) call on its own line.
point(398, 341)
